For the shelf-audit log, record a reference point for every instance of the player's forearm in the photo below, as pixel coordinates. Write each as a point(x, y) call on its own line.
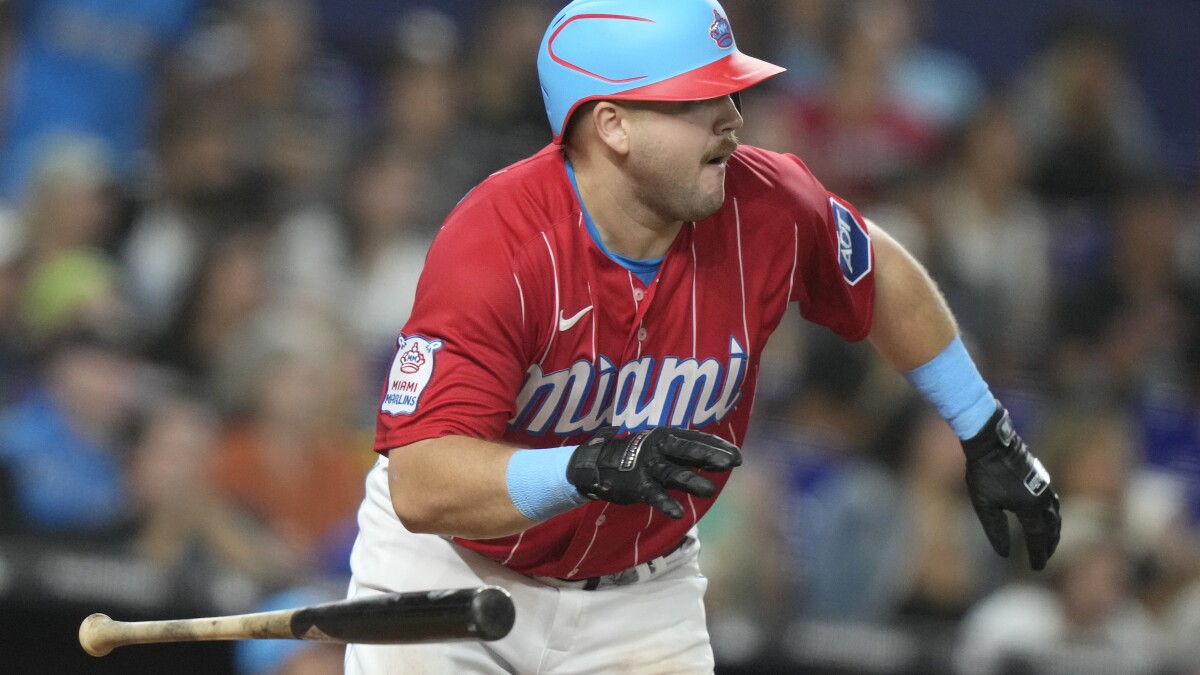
point(915, 332)
point(912, 323)
point(454, 486)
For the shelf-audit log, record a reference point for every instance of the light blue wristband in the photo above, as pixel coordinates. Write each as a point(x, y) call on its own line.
point(952, 383)
point(538, 485)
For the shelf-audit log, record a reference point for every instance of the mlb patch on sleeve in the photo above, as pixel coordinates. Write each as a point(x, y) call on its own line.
point(410, 374)
point(854, 245)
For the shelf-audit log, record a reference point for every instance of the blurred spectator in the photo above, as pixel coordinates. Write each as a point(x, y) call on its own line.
point(456, 109)
point(69, 281)
point(422, 105)
point(1166, 503)
point(1128, 332)
point(505, 117)
point(1085, 620)
point(934, 86)
point(771, 108)
point(1089, 122)
point(424, 112)
point(804, 30)
point(69, 204)
point(851, 131)
point(503, 96)
point(842, 541)
point(291, 455)
point(74, 289)
point(200, 194)
point(910, 206)
point(995, 243)
point(748, 599)
point(1093, 454)
point(950, 564)
point(61, 442)
point(363, 261)
point(1097, 457)
point(228, 289)
point(184, 524)
point(293, 101)
point(86, 67)
point(62, 302)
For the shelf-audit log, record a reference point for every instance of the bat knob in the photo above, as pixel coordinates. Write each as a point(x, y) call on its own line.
point(492, 612)
point(91, 633)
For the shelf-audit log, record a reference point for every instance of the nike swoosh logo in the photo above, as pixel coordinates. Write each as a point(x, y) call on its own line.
point(565, 324)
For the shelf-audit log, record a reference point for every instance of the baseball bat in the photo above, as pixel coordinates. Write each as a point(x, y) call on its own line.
point(483, 613)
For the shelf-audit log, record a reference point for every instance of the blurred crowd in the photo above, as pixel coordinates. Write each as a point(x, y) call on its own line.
point(213, 214)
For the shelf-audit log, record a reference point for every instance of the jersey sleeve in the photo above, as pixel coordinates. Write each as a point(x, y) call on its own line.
point(834, 282)
point(459, 359)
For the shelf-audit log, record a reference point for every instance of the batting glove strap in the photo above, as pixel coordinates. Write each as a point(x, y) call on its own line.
point(1003, 475)
point(640, 467)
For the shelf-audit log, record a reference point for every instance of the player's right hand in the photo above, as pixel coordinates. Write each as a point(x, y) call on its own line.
point(639, 467)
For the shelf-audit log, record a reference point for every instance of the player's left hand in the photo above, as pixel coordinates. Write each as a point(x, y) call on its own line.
point(639, 467)
point(1003, 475)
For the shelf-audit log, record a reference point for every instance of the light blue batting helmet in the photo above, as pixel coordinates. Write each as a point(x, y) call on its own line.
point(641, 50)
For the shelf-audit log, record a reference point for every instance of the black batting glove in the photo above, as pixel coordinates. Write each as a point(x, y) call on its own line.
point(639, 467)
point(1003, 475)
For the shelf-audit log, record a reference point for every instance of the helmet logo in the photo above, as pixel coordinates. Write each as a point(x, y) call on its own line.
point(720, 31)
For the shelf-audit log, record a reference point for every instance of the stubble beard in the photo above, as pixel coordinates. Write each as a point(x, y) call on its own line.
point(659, 186)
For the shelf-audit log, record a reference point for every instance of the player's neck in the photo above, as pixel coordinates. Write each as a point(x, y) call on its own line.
point(627, 226)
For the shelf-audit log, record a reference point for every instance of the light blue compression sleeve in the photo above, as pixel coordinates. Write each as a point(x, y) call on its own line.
point(538, 485)
point(952, 383)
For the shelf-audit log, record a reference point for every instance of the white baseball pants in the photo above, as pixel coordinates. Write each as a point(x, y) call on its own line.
point(653, 626)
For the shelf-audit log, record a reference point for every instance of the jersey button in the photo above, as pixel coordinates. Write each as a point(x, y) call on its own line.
point(573, 572)
point(639, 294)
point(600, 519)
point(641, 335)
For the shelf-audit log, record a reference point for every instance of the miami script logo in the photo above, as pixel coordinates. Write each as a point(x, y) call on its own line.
point(671, 391)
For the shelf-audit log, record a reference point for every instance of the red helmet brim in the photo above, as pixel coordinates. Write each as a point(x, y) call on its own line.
point(719, 78)
point(722, 77)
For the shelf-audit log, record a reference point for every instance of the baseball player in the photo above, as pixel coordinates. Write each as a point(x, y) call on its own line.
point(569, 394)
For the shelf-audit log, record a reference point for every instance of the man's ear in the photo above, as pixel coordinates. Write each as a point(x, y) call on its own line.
point(611, 122)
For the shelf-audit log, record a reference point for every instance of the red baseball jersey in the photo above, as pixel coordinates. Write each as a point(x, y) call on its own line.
point(525, 331)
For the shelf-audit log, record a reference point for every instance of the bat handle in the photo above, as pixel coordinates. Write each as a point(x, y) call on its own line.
point(96, 634)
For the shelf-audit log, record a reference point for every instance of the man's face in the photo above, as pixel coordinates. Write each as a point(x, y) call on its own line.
point(677, 154)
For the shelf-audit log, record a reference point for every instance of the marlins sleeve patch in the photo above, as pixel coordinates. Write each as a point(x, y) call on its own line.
point(411, 371)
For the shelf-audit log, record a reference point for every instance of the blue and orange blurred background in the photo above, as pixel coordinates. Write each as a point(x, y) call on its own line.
point(213, 214)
